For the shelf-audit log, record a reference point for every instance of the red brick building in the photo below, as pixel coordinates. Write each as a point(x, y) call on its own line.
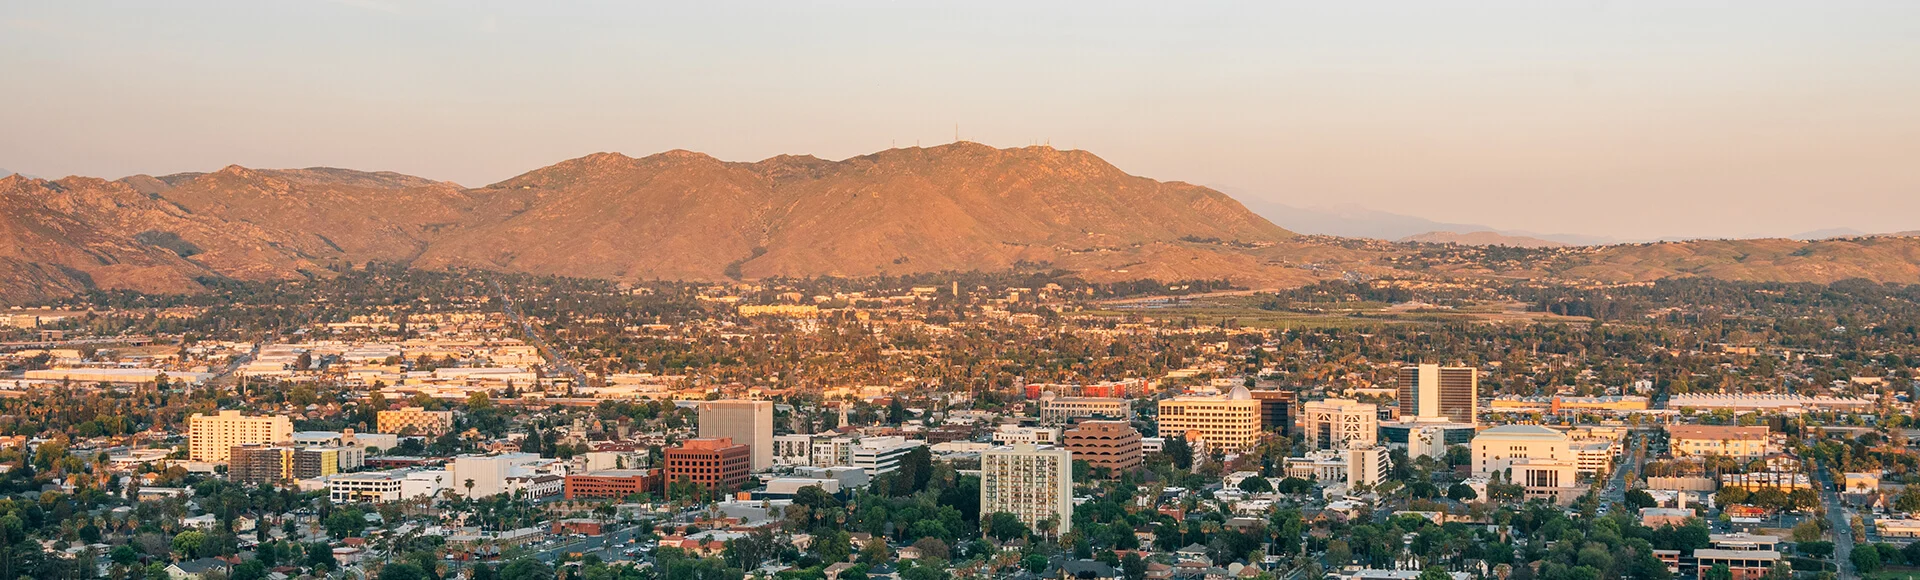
point(713, 463)
point(613, 483)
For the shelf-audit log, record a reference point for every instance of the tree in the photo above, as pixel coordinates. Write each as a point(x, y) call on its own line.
point(249, 570)
point(1807, 531)
point(931, 547)
point(1133, 567)
point(1435, 574)
point(1256, 485)
point(1462, 492)
point(1816, 548)
point(1338, 554)
point(1294, 485)
point(526, 569)
point(1719, 572)
point(1638, 499)
point(1034, 563)
point(124, 555)
point(1866, 559)
point(1005, 527)
point(1179, 452)
point(187, 544)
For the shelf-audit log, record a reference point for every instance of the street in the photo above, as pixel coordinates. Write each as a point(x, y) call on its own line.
point(1837, 520)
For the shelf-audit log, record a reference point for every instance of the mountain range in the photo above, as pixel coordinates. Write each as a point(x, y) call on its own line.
point(688, 216)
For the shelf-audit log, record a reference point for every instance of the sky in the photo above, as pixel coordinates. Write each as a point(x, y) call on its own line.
point(1623, 119)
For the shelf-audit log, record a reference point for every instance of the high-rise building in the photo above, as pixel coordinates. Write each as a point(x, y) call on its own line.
point(260, 464)
point(748, 423)
point(414, 421)
point(1230, 421)
point(1430, 391)
point(1034, 484)
point(1340, 424)
point(213, 437)
point(879, 455)
point(311, 462)
point(1114, 445)
point(713, 463)
point(1276, 410)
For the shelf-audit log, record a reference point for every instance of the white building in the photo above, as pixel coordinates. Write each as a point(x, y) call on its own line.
point(1340, 424)
point(1032, 483)
point(793, 450)
point(834, 451)
point(1535, 457)
point(748, 423)
point(1017, 435)
point(879, 455)
point(492, 475)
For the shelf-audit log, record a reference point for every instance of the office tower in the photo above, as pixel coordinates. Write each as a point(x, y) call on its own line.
point(1230, 421)
point(748, 423)
point(213, 437)
point(1114, 445)
point(1340, 424)
point(1276, 410)
point(717, 464)
point(1430, 391)
point(1034, 484)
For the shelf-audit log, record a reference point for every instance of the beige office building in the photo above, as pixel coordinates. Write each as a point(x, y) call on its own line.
point(1340, 424)
point(1230, 421)
point(213, 437)
point(1540, 459)
point(1033, 484)
point(415, 421)
point(1431, 391)
point(1066, 409)
point(747, 423)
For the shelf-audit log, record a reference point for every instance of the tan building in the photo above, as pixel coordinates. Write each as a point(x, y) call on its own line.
point(1340, 424)
point(213, 437)
point(748, 423)
point(415, 421)
point(1114, 445)
point(1031, 483)
point(1728, 440)
point(1537, 458)
point(1065, 409)
point(1430, 391)
point(1230, 421)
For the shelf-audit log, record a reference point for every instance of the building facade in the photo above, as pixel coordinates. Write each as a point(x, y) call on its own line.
point(260, 464)
point(1032, 483)
point(712, 463)
point(1534, 457)
point(748, 423)
point(1431, 391)
point(414, 421)
point(1340, 424)
point(1276, 410)
point(1727, 440)
point(1114, 445)
point(613, 483)
point(1230, 421)
point(213, 437)
point(879, 455)
point(1066, 409)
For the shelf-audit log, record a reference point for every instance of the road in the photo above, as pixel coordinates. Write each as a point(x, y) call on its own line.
point(608, 547)
point(1636, 456)
point(1837, 519)
point(553, 357)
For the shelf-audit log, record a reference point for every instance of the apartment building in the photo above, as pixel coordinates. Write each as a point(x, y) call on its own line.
point(1034, 484)
point(213, 437)
point(1015, 435)
point(1230, 421)
point(257, 464)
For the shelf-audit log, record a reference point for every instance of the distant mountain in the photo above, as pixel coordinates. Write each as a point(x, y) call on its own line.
point(1482, 239)
point(676, 215)
point(1828, 233)
point(1351, 221)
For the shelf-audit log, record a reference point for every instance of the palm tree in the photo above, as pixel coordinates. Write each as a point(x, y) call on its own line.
point(469, 489)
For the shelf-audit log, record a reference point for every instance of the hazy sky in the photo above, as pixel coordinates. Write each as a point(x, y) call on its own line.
point(1618, 118)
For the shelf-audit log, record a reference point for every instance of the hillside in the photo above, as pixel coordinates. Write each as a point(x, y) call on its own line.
point(688, 216)
point(1481, 238)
